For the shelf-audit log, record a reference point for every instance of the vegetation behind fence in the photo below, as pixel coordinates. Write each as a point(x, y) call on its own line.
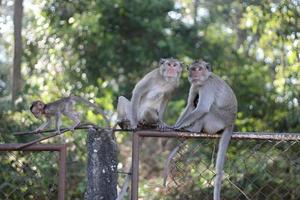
point(255, 169)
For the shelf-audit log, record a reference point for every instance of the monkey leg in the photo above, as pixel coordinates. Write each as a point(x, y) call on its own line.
point(74, 116)
point(212, 123)
point(195, 127)
point(209, 123)
point(58, 122)
point(149, 117)
point(124, 108)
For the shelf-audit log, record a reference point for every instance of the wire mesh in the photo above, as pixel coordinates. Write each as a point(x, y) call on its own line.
point(253, 170)
point(29, 175)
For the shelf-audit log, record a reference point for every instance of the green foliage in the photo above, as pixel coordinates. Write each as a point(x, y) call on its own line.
point(99, 49)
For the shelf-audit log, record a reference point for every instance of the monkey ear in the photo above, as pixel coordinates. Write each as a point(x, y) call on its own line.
point(182, 64)
point(208, 67)
point(31, 107)
point(187, 67)
point(162, 61)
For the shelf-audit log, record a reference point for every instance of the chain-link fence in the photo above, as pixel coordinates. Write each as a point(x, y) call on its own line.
point(258, 166)
point(23, 172)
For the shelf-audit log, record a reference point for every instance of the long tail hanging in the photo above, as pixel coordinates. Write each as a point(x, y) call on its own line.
point(223, 145)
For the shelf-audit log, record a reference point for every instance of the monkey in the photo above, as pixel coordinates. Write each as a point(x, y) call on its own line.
point(211, 107)
point(150, 96)
point(63, 106)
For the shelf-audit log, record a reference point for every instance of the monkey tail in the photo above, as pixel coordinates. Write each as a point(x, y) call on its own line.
point(168, 161)
point(97, 109)
point(223, 145)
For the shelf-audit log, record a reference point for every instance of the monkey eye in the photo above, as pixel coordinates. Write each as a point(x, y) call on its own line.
point(169, 64)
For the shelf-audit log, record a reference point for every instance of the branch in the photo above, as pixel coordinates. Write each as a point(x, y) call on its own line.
point(125, 186)
point(168, 161)
point(238, 188)
point(82, 126)
point(53, 135)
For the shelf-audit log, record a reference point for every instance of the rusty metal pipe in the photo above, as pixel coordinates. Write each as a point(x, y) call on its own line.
point(61, 148)
point(186, 135)
point(35, 147)
point(235, 135)
point(135, 166)
point(62, 172)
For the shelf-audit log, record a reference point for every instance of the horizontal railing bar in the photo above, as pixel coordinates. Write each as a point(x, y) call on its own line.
point(35, 147)
point(235, 135)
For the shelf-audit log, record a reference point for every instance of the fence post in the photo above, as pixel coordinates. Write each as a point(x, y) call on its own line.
point(102, 175)
point(62, 171)
point(135, 166)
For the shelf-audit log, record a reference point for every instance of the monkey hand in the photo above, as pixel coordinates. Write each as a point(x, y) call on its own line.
point(58, 131)
point(178, 124)
point(72, 129)
point(134, 124)
point(162, 125)
point(179, 127)
point(185, 122)
point(36, 131)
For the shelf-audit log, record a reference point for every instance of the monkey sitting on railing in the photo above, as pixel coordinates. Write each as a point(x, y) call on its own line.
point(150, 96)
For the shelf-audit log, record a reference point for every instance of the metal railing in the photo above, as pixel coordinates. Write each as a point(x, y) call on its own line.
point(259, 138)
point(60, 148)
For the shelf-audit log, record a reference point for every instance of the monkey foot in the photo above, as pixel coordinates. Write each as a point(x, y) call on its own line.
point(125, 124)
point(143, 125)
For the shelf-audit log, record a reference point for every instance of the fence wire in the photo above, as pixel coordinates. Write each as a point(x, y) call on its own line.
point(254, 169)
point(22, 175)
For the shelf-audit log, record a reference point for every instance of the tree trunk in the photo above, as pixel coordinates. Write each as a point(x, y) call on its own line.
point(102, 174)
point(16, 73)
point(196, 6)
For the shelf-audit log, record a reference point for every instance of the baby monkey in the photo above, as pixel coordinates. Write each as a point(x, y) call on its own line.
point(63, 106)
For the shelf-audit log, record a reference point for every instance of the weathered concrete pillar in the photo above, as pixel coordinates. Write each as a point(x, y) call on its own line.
point(102, 174)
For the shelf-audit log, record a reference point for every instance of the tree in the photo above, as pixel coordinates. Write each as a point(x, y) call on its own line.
point(16, 74)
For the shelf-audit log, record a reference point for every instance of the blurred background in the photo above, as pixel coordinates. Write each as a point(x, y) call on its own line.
point(99, 49)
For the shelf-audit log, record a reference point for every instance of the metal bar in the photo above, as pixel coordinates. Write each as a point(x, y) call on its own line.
point(61, 148)
point(135, 166)
point(35, 147)
point(172, 134)
point(62, 172)
point(235, 135)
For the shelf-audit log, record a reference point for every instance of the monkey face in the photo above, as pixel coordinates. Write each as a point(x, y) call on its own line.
point(170, 67)
point(37, 109)
point(199, 71)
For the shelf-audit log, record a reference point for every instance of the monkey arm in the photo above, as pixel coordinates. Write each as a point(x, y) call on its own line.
point(163, 107)
point(140, 89)
point(135, 102)
point(188, 109)
point(161, 111)
point(203, 107)
point(44, 125)
point(58, 121)
point(192, 117)
point(183, 115)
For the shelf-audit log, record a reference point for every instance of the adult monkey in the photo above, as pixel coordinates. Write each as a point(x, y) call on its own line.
point(211, 107)
point(150, 96)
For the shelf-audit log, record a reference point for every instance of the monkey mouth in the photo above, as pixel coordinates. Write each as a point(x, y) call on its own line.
point(195, 78)
point(171, 75)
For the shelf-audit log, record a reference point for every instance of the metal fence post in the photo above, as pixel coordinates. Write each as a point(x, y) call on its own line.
point(62, 172)
point(135, 166)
